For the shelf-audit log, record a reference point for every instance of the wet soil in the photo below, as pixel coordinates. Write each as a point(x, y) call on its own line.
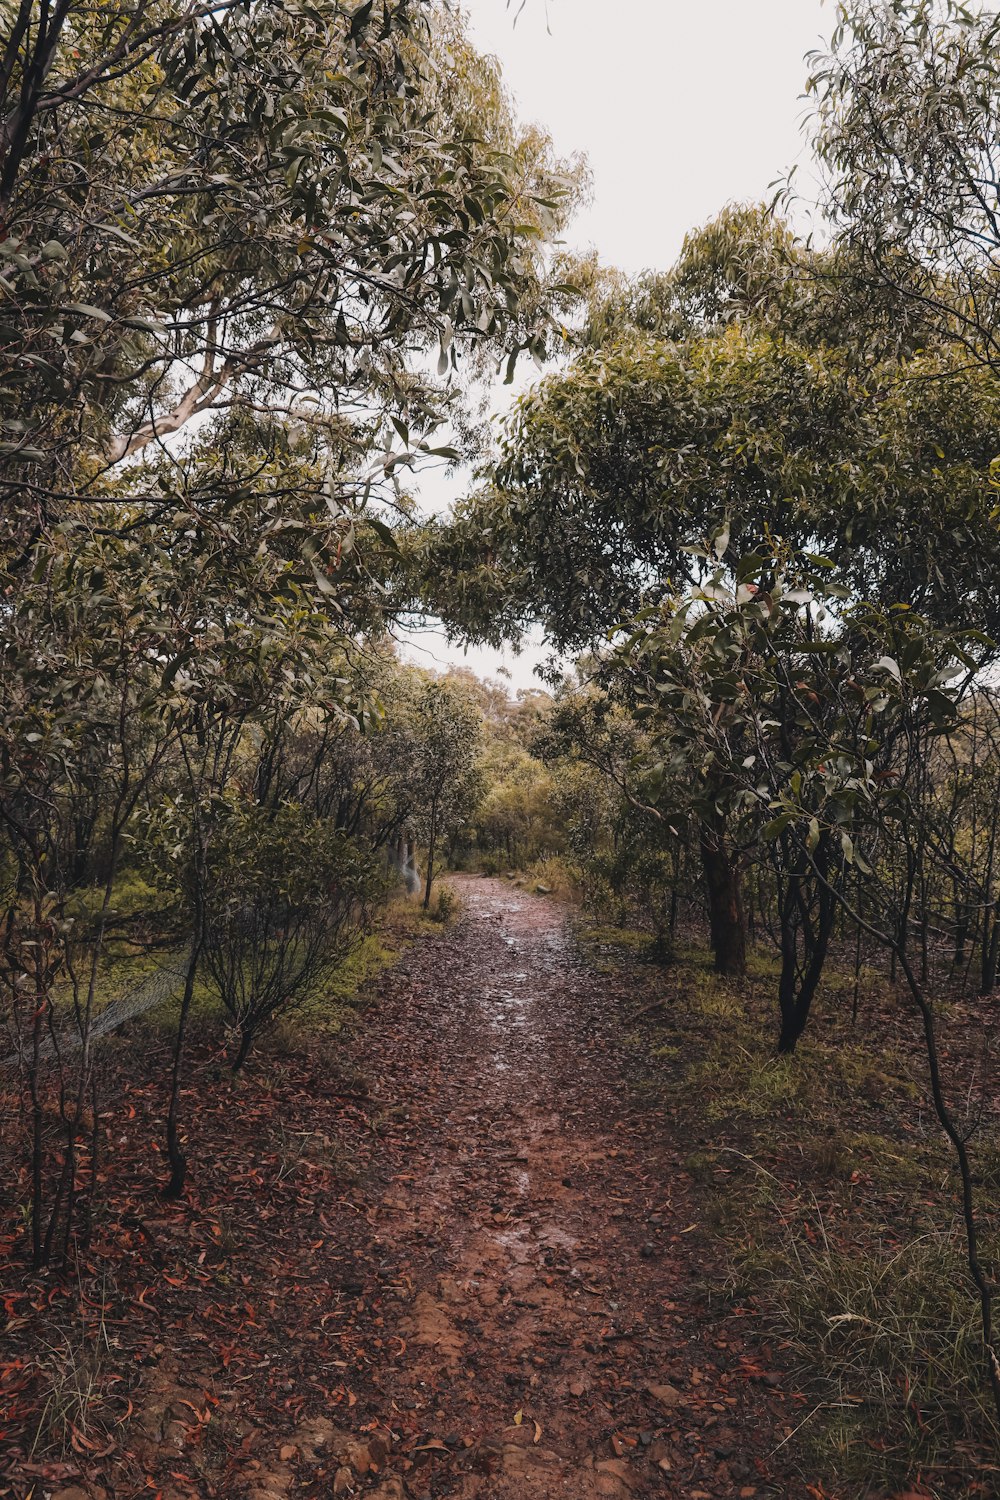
point(552, 1337)
point(464, 1265)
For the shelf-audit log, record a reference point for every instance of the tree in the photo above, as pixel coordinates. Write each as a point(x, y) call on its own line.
point(198, 211)
point(83, 735)
point(614, 467)
point(807, 723)
point(516, 817)
point(906, 123)
point(446, 739)
point(233, 240)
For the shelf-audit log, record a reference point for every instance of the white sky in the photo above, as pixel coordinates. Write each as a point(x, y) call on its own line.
point(681, 106)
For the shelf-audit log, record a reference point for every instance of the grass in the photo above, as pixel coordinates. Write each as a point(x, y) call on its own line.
point(556, 874)
point(891, 1352)
point(827, 1192)
point(72, 1372)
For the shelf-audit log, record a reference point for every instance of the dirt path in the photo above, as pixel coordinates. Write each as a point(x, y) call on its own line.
point(462, 1265)
point(545, 1339)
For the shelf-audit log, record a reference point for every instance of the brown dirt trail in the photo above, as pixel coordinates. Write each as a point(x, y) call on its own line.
point(465, 1264)
point(550, 1342)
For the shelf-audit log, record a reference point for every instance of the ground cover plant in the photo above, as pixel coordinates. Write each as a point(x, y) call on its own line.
point(825, 1199)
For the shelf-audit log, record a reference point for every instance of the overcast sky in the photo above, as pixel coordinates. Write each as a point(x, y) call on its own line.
point(681, 106)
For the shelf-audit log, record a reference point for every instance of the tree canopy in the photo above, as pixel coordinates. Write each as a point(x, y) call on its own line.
point(710, 397)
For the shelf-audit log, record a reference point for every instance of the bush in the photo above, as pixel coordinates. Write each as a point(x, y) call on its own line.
point(446, 906)
point(286, 897)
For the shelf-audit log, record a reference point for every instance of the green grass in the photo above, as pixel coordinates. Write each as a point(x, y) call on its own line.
point(629, 939)
point(891, 1351)
point(827, 1193)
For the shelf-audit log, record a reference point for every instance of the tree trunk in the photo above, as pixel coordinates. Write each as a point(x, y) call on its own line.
point(961, 928)
point(243, 1047)
point(807, 921)
point(37, 1142)
point(796, 992)
point(431, 842)
point(725, 906)
point(990, 950)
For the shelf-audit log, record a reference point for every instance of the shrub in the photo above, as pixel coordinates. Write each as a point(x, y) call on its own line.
point(287, 896)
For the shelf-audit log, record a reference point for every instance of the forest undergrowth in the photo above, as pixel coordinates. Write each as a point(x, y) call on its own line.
point(828, 1198)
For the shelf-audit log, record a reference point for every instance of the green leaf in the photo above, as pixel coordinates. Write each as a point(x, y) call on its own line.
point(85, 310)
point(360, 18)
point(383, 532)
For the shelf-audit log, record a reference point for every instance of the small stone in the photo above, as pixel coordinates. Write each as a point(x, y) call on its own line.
point(667, 1395)
point(379, 1444)
point(357, 1454)
point(343, 1483)
point(612, 1473)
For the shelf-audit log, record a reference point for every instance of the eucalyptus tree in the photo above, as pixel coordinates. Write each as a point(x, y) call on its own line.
point(446, 737)
point(252, 600)
point(738, 684)
point(256, 203)
point(612, 468)
point(235, 238)
point(620, 845)
point(139, 654)
point(906, 126)
point(822, 720)
point(84, 733)
point(735, 395)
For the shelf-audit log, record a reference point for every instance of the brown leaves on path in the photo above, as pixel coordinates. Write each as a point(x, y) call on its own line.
point(472, 1281)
